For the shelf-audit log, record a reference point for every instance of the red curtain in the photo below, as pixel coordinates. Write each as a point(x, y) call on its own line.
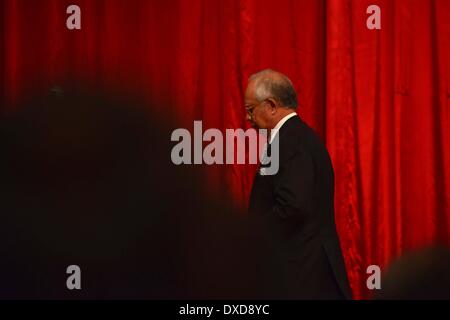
point(378, 98)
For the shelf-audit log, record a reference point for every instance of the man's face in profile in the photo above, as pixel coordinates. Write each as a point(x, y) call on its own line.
point(257, 112)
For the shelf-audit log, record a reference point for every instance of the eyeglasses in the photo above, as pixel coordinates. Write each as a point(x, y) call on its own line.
point(249, 108)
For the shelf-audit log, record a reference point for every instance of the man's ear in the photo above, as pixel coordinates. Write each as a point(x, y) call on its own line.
point(273, 105)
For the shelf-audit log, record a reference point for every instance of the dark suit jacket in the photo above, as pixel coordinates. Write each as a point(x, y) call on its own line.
point(296, 209)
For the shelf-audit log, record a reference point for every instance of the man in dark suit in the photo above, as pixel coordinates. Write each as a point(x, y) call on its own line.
point(295, 206)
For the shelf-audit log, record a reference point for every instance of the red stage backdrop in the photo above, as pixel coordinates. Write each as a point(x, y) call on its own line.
point(378, 98)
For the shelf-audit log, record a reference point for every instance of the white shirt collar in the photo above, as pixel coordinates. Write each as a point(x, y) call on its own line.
point(280, 124)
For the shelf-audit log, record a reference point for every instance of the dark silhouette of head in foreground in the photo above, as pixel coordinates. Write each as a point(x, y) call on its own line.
point(418, 275)
point(89, 181)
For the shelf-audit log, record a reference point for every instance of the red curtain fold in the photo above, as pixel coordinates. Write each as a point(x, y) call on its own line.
point(378, 98)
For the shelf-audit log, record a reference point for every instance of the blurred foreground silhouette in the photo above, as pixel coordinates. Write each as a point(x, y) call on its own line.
point(418, 275)
point(88, 181)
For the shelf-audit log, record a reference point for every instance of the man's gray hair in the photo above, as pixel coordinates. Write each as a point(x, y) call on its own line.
point(273, 84)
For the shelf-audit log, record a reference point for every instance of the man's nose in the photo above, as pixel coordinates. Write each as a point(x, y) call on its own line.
point(248, 117)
